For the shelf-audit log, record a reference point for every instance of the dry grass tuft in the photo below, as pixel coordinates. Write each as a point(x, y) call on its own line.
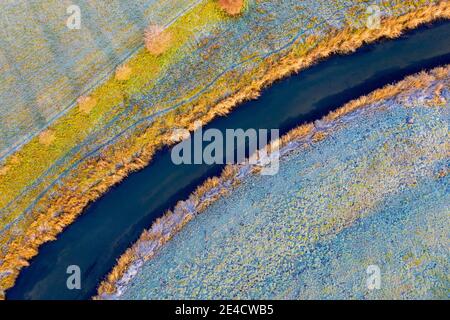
point(123, 73)
point(47, 137)
point(86, 104)
point(157, 40)
point(409, 84)
point(440, 72)
point(64, 209)
point(318, 136)
point(232, 7)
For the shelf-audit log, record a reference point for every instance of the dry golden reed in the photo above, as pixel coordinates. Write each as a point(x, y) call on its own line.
point(86, 104)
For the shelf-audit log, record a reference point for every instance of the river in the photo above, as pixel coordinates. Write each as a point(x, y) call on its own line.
point(111, 224)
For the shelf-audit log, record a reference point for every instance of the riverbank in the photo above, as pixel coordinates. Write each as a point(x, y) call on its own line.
point(95, 176)
point(425, 87)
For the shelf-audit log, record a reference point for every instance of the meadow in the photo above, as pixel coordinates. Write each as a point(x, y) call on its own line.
point(214, 62)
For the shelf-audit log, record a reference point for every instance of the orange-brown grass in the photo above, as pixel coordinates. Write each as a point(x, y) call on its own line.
point(64, 209)
point(230, 173)
point(131, 254)
point(3, 170)
point(231, 7)
point(318, 136)
point(157, 40)
point(414, 82)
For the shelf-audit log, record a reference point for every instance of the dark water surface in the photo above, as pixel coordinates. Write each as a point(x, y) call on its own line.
point(111, 224)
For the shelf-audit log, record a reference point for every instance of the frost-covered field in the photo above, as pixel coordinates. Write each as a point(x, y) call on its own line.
point(373, 192)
